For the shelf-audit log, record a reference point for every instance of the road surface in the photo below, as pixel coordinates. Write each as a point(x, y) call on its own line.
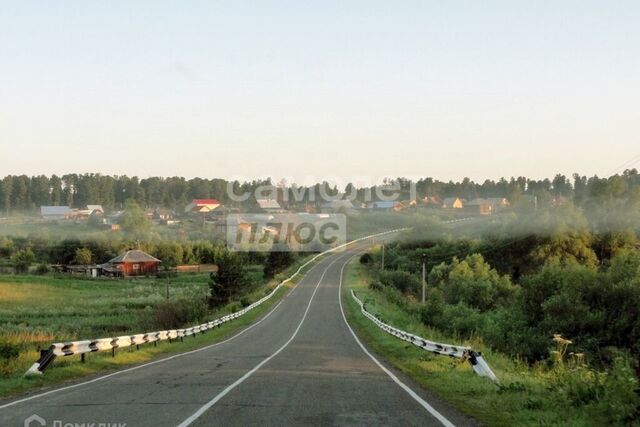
point(299, 365)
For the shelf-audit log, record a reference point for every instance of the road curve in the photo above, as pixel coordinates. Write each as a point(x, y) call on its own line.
point(300, 364)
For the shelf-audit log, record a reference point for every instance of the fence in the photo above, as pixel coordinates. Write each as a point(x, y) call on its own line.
point(475, 358)
point(113, 343)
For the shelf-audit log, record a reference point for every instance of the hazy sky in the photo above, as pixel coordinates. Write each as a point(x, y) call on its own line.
point(345, 88)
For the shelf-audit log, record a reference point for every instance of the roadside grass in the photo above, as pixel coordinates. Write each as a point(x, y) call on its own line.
point(66, 312)
point(526, 395)
point(69, 368)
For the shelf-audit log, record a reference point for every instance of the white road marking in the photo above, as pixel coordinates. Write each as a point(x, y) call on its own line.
point(240, 380)
point(402, 385)
point(69, 387)
point(15, 402)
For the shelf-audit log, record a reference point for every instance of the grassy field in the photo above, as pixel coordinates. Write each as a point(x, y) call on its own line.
point(36, 311)
point(526, 395)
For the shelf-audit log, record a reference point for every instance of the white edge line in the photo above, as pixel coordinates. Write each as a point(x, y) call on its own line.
point(15, 402)
point(402, 385)
point(72, 386)
point(204, 408)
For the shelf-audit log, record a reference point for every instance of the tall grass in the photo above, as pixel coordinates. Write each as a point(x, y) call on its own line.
point(553, 393)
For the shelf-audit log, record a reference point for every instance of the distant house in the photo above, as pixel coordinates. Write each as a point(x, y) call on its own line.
point(432, 201)
point(269, 205)
point(452, 203)
point(163, 215)
point(131, 263)
point(486, 206)
point(94, 208)
point(338, 205)
point(202, 206)
point(479, 207)
point(498, 203)
point(383, 205)
point(79, 214)
point(54, 213)
point(97, 217)
point(231, 225)
point(405, 204)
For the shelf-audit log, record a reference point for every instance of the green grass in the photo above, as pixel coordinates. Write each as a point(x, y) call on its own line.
point(69, 368)
point(526, 396)
point(36, 311)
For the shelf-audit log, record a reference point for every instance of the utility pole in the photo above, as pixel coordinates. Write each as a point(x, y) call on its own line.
point(167, 285)
point(424, 278)
point(383, 256)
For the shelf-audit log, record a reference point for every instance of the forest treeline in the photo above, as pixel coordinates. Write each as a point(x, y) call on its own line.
point(22, 193)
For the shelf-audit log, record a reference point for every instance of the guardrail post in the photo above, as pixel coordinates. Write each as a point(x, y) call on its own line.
point(47, 356)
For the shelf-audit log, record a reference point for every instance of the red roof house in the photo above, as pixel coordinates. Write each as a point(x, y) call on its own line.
point(132, 263)
point(202, 205)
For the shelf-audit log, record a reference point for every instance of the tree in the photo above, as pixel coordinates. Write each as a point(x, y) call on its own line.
point(279, 258)
point(22, 260)
point(134, 223)
point(83, 256)
point(170, 253)
point(7, 191)
point(472, 281)
point(230, 279)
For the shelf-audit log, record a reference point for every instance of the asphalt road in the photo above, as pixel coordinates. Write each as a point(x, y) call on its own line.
point(299, 365)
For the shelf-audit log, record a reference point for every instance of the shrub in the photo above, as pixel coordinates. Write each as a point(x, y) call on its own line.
point(376, 286)
point(8, 350)
point(22, 260)
point(279, 259)
point(42, 269)
point(401, 280)
point(83, 256)
point(366, 259)
point(620, 401)
point(177, 313)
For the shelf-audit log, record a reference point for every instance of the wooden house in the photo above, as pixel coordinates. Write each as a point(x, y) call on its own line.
point(479, 207)
point(452, 203)
point(202, 206)
point(132, 263)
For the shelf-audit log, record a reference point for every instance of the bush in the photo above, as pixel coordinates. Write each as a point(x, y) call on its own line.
point(42, 269)
point(620, 401)
point(245, 302)
point(8, 350)
point(83, 256)
point(22, 260)
point(366, 259)
point(401, 280)
point(376, 286)
point(178, 313)
point(279, 259)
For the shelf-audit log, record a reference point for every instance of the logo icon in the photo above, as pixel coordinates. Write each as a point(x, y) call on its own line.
point(34, 421)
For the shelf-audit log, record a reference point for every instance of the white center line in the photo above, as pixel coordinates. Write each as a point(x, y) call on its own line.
point(240, 380)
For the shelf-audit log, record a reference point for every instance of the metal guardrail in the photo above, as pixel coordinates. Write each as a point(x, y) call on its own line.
point(475, 358)
point(113, 343)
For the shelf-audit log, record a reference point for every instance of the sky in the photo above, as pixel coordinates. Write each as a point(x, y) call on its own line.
point(320, 89)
